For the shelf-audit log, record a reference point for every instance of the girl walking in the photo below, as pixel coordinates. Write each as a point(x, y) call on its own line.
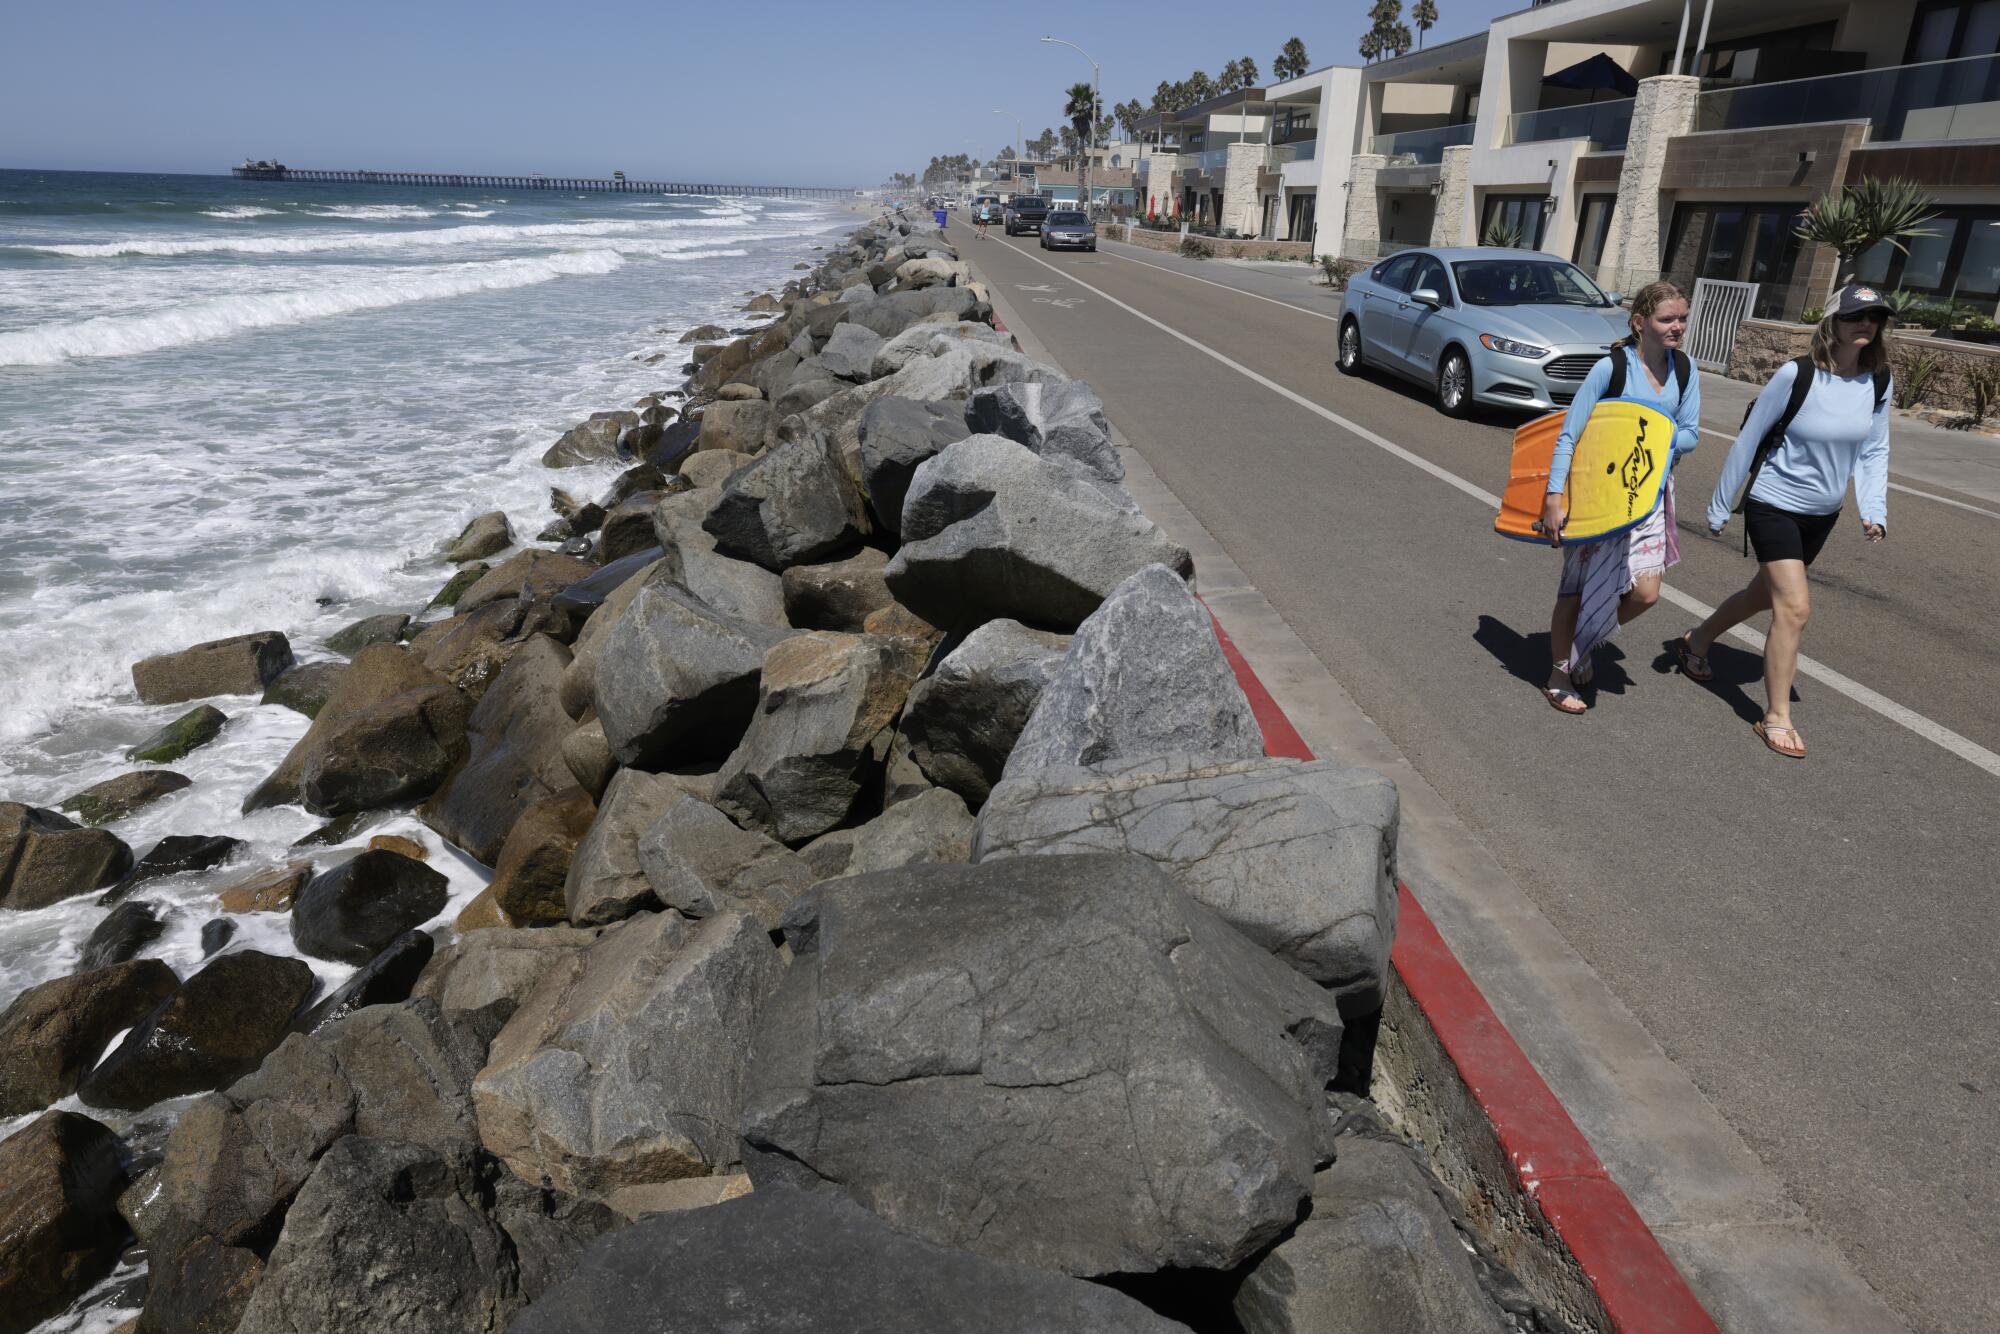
point(1607, 583)
point(1821, 421)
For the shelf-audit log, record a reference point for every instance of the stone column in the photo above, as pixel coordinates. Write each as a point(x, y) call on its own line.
point(1664, 109)
point(1240, 200)
point(1162, 184)
point(1360, 212)
point(1452, 223)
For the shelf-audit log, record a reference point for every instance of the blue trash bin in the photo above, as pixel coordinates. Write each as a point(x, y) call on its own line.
point(938, 213)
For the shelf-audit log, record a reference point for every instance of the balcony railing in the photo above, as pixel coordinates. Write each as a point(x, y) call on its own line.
point(1940, 99)
point(1425, 146)
point(1299, 150)
point(1604, 124)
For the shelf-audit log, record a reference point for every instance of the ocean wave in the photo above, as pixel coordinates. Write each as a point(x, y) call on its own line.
point(241, 211)
point(119, 336)
point(372, 212)
point(477, 234)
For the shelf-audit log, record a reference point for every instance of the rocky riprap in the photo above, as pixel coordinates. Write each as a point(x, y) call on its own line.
point(896, 923)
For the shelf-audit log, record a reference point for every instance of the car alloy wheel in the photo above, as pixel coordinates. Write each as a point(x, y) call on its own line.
point(1455, 385)
point(1349, 359)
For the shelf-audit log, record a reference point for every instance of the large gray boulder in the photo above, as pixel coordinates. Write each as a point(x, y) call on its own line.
point(54, 1031)
point(388, 1234)
point(700, 863)
point(1143, 676)
point(735, 587)
point(737, 425)
point(896, 435)
point(925, 338)
point(991, 529)
point(850, 351)
point(606, 882)
point(676, 679)
point(792, 506)
point(593, 441)
point(515, 739)
point(627, 1069)
point(932, 826)
point(783, 1259)
point(239, 665)
point(60, 1177)
point(889, 315)
point(579, 682)
point(1064, 1062)
point(351, 911)
point(1301, 858)
point(488, 535)
point(480, 979)
point(1379, 1255)
point(820, 733)
point(962, 720)
point(46, 858)
point(214, 1029)
point(1064, 420)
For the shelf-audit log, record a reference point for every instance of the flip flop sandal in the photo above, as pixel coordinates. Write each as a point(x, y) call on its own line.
point(1766, 730)
point(1690, 661)
point(1555, 695)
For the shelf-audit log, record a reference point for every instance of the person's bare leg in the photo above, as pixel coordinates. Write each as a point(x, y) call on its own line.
point(1562, 638)
point(1737, 608)
point(1791, 607)
point(1639, 599)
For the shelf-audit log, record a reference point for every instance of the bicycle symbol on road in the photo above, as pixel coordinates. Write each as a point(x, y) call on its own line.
point(1065, 302)
point(1033, 287)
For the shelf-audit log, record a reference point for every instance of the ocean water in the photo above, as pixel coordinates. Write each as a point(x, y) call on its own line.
point(229, 406)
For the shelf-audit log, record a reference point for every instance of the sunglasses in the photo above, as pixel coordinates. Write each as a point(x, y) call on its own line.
point(1873, 316)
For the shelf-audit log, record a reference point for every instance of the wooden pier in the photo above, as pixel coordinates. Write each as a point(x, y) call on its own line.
point(614, 185)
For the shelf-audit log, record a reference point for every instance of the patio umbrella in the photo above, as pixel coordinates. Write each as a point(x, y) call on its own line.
point(1600, 73)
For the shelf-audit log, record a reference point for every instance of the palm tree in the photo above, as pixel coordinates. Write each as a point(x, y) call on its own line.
point(1371, 45)
point(1230, 73)
point(1291, 61)
point(1080, 109)
point(1425, 15)
point(1200, 87)
point(1864, 216)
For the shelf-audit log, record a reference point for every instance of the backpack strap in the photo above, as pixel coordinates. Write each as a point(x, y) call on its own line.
point(1802, 383)
point(1881, 387)
point(1616, 389)
point(1684, 371)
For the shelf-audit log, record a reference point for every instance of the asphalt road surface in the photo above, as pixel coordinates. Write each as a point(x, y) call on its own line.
point(1813, 941)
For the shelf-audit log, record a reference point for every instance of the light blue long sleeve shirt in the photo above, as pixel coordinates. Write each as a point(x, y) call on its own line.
point(1684, 408)
point(1838, 434)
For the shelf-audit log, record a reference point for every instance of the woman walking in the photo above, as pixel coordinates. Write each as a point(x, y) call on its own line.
point(1607, 583)
point(1822, 420)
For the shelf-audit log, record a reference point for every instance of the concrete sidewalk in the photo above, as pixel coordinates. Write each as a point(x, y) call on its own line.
point(1965, 464)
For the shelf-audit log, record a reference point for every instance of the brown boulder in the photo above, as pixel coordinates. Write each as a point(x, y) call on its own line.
point(116, 798)
point(840, 595)
point(532, 576)
point(514, 740)
point(60, 1232)
point(239, 665)
point(52, 1033)
point(269, 890)
point(470, 650)
point(396, 843)
point(593, 441)
point(45, 858)
point(534, 862)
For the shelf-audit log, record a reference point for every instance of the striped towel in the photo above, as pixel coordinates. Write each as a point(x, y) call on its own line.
point(1603, 572)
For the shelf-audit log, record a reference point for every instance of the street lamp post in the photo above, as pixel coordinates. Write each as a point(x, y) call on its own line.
point(1089, 139)
point(1017, 139)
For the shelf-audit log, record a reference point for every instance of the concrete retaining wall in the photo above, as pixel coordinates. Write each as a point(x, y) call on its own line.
point(1223, 248)
point(1764, 345)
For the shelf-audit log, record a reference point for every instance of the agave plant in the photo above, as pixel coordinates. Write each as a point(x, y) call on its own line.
point(1503, 235)
point(1863, 216)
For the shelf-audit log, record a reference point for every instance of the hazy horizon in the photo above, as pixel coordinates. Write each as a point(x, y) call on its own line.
point(816, 95)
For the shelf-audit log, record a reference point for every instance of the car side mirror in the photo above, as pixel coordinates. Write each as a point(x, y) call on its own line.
point(1615, 298)
point(1426, 296)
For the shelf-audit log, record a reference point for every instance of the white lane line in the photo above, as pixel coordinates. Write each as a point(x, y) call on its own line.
point(1942, 500)
point(1937, 733)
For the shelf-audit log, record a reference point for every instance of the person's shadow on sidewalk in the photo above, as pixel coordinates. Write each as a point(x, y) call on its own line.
point(1732, 669)
point(1527, 657)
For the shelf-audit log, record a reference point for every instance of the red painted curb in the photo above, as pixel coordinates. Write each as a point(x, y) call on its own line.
point(1637, 1284)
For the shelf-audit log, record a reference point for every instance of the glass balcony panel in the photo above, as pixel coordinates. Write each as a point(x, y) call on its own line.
point(1604, 124)
point(1941, 99)
point(1425, 146)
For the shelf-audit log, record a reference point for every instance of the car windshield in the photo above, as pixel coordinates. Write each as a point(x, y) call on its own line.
point(1068, 219)
point(1525, 282)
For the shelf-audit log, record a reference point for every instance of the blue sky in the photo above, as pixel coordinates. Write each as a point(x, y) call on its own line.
point(769, 91)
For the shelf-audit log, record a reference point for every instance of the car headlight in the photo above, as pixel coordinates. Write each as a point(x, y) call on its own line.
point(1509, 348)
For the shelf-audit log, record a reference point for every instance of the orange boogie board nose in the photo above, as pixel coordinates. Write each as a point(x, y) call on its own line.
point(1616, 477)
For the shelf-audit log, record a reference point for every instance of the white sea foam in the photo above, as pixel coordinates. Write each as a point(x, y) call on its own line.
point(119, 336)
point(324, 243)
point(372, 212)
point(240, 212)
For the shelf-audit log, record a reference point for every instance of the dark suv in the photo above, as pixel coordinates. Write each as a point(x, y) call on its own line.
point(1026, 213)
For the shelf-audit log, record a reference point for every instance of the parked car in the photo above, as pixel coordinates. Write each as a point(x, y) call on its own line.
point(1068, 227)
point(1025, 212)
point(1501, 328)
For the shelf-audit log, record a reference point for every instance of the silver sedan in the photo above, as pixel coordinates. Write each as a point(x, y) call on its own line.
point(1502, 328)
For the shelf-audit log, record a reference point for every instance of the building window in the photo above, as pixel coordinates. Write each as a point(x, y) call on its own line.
point(1517, 213)
point(1741, 243)
point(1593, 229)
point(1962, 260)
point(1949, 29)
point(1303, 204)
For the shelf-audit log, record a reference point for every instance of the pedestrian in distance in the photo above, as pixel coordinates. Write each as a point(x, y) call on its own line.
point(1822, 421)
point(1610, 582)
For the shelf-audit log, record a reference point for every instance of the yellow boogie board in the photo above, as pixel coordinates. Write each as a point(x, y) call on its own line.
point(1616, 477)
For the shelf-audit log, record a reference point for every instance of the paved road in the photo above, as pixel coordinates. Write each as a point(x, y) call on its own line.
point(1812, 941)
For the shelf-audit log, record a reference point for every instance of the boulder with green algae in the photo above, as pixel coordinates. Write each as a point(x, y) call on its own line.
point(192, 730)
point(455, 587)
point(384, 629)
point(304, 688)
point(116, 798)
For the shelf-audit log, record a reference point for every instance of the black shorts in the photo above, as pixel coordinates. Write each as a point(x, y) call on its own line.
point(1777, 534)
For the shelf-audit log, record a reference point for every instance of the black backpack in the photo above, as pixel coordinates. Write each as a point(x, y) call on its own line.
point(1802, 383)
point(1683, 372)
